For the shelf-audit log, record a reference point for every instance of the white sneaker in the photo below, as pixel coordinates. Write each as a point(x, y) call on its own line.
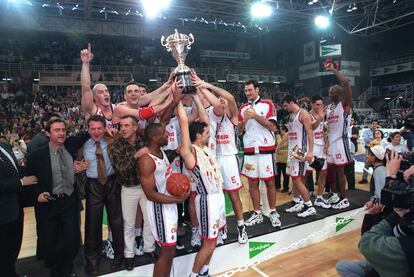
point(274, 219)
point(333, 199)
point(307, 211)
point(139, 248)
point(343, 204)
point(109, 251)
point(195, 238)
point(321, 202)
point(254, 219)
point(223, 233)
point(219, 241)
point(242, 234)
point(298, 207)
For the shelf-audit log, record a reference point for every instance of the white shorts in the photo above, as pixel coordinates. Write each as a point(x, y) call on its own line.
point(163, 219)
point(295, 168)
point(209, 214)
point(318, 152)
point(229, 167)
point(339, 153)
point(259, 166)
point(223, 221)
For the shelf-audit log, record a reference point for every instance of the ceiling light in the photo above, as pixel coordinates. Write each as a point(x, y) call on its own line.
point(322, 21)
point(260, 9)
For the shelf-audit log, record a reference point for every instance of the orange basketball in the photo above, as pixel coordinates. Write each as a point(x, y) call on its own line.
point(178, 184)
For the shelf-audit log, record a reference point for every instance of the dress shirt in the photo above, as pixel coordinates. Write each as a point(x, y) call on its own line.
point(89, 153)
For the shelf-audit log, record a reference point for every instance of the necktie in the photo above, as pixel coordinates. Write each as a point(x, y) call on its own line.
point(64, 170)
point(102, 177)
point(9, 165)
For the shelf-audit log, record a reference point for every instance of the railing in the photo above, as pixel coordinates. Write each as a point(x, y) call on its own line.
point(396, 60)
point(406, 94)
point(368, 93)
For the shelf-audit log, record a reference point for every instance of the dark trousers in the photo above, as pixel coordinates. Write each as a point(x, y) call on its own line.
point(350, 175)
point(281, 169)
point(310, 183)
point(98, 196)
point(60, 231)
point(11, 235)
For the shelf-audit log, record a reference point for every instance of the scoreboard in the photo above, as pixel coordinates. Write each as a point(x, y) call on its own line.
point(336, 61)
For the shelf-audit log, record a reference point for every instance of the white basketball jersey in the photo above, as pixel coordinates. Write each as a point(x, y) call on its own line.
point(225, 135)
point(205, 176)
point(297, 133)
point(213, 129)
point(174, 134)
point(318, 133)
point(338, 122)
point(108, 121)
point(161, 173)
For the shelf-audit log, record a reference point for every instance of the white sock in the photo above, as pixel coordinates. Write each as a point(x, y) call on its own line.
point(240, 222)
point(259, 212)
point(138, 232)
point(110, 236)
point(297, 199)
point(272, 210)
point(308, 203)
point(193, 274)
point(204, 269)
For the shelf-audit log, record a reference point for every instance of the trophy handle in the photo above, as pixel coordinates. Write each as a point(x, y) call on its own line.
point(190, 40)
point(165, 44)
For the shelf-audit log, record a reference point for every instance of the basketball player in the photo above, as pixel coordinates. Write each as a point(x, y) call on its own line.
point(338, 114)
point(320, 147)
point(259, 146)
point(225, 117)
point(207, 182)
point(301, 135)
point(154, 170)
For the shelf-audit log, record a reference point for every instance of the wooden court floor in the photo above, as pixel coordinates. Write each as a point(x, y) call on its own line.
point(315, 260)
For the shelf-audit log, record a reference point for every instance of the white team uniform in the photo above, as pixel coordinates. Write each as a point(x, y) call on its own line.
point(174, 140)
point(162, 218)
point(338, 136)
point(297, 137)
point(213, 130)
point(109, 124)
point(319, 143)
point(226, 150)
point(259, 142)
point(207, 183)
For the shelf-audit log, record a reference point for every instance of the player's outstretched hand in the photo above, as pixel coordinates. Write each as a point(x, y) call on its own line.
point(86, 55)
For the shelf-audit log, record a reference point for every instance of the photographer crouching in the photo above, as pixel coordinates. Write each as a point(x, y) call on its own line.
point(389, 245)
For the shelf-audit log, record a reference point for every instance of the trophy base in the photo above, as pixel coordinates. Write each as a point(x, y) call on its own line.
point(184, 77)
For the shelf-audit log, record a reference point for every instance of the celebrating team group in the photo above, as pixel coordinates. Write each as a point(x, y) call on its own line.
point(195, 134)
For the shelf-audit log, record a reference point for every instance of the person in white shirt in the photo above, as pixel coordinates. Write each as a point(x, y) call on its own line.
point(395, 143)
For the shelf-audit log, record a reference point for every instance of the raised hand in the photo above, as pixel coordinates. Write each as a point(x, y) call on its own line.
point(329, 67)
point(194, 77)
point(86, 55)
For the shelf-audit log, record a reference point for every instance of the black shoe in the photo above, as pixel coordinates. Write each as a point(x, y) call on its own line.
point(179, 245)
point(129, 264)
point(363, 182)
point(152, 255)
point(117, 263)
point(285, 190)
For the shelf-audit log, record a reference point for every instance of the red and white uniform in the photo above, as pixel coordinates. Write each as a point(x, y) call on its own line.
point(163, 218)
point(207, 183)
point(174, 140)
point(258, 141)
point(297, 137)
point(338, 135)
point(227, 152)
point(108, 121)
point(213, 130)
point(319, 142)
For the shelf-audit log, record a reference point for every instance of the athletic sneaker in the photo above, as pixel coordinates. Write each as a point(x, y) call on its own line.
point(321, 202)
point(139, 247)
point(242, 234)
point(223, 233)
point(219, 241)
point(333, 199)
point(297, 207)
point(179, 245)
point(343, 204)
point(274, 219)
point(307, 211)
point(204, 274)
point(109, 251)
point(195, 238)
point(254, 219)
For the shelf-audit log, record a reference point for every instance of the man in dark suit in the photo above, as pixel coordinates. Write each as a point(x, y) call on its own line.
point(11, 209)
point(57, 200)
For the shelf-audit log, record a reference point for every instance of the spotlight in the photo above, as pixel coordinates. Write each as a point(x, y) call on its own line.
point(322, 21)
point(152, 8)
point(260, 9)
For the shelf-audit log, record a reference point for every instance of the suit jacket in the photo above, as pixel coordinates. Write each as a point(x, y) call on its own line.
point(10, 190)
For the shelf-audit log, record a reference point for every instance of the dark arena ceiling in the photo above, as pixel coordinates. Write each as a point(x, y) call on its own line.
point(359, 18)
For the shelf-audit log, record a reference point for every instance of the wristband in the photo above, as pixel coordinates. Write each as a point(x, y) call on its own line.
point(145, 113)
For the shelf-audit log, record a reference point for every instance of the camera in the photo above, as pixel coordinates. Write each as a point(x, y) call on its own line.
point(407, 159)
point(398, 194)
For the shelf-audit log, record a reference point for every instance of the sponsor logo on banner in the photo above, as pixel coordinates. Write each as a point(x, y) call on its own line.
point(309, 52)
point(330, 50)
point(339, 227)
point(255, 248)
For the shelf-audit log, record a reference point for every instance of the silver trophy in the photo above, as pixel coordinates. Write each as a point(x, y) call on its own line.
point(179, 44)
point(317, 162)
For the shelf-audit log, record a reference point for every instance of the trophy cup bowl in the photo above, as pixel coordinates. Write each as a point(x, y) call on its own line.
point(317, 162)
point(179, 44)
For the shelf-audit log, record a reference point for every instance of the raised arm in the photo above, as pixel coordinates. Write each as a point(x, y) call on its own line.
point(146, 168)
point(186, 150)
point(146, 99)
point(347, 97)
point(87, 104)
point(202, 114)
point(176, 92)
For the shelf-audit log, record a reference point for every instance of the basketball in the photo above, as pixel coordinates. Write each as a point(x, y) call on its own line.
point(177, 184)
